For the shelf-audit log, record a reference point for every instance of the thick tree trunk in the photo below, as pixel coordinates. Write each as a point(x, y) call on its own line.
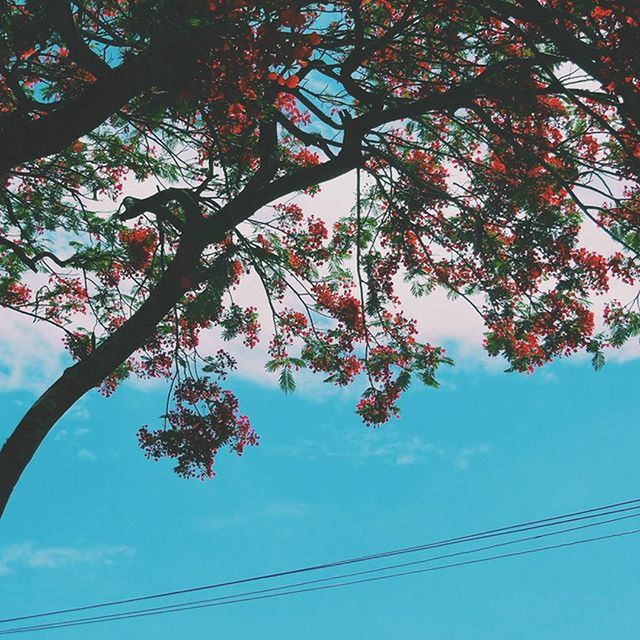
point(89, 373)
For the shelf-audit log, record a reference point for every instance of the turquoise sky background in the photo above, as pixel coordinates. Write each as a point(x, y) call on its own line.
point(93, 520)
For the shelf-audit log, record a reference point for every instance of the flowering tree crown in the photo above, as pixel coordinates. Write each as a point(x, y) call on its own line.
point(484, 135)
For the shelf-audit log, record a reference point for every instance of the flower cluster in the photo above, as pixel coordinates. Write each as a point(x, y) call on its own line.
point(204, 419)
point(140, 244)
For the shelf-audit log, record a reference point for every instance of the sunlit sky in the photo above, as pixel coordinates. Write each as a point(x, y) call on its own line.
point(93, 520)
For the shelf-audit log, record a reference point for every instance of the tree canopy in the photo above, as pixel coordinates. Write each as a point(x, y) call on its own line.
point(484, 135)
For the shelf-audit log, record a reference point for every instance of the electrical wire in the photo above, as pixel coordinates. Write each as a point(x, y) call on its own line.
point(575, 516)
point(180, 606)
point(240, 598)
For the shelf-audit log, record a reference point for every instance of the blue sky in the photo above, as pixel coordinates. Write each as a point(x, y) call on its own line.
point(93, 520)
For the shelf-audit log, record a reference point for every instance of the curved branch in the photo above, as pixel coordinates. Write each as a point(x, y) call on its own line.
point(79, 50)
point(23, 140)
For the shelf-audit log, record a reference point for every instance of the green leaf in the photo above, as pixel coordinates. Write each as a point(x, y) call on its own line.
point(272, 366)
point(419, 289)
point(598, 360)
point(206, 305)
point(403, 380)
point(429, 379)
point(619, 335)
point(287, 382)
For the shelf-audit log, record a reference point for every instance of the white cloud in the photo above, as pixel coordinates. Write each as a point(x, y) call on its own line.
point(384, 445)
point(87, 454)
point(272, 511)
point(31, 355)
point(80, 412)
point(463, 457)
point(30, 556)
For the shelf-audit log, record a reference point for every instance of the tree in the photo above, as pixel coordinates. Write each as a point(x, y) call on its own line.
point(483, 133)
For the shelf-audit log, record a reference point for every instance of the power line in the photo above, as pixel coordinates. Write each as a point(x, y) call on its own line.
point(501, 531)
point(181, 606)
point(507, 530)
point(263, 595)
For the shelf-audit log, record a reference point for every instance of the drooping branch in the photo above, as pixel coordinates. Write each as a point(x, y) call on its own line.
point(89, 372)
point(93, 369)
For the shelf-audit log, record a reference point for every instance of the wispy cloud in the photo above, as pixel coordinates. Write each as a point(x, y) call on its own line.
point(463, 457)
point(61, 434)
point(32, 355)
point(80, 412)
point(74, 438)
point(272, 511)
point(29, 556)
point(393, 449)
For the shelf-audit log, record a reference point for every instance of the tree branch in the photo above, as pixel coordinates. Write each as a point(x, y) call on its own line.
point(79, 50)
